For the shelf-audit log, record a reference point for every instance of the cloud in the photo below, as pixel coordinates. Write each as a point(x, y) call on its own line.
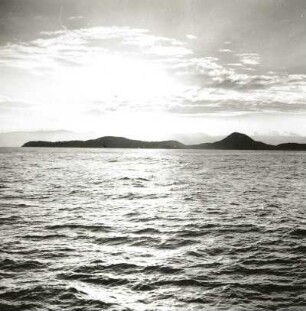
point(78, 47)
point(191, 37)
point(8, 104)
point(252, 59)
point(231, 108)
point(225, 51)
point(256, 94)
point(131, 69)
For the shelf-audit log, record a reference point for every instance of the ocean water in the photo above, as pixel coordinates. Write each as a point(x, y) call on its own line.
point(111, 229)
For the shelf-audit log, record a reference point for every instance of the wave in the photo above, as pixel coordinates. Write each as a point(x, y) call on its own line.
point(20, 265)
point(44, 237)
point(298, 232)
point(94, 279)
point(94, 228)
point(147, 231)
point(134, 178)
point(10, 219)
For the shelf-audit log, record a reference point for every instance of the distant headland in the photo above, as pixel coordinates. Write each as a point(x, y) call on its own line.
point(235, 141)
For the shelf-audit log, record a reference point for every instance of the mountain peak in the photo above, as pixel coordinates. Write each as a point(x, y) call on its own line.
point(238, 137)
point(238, 141)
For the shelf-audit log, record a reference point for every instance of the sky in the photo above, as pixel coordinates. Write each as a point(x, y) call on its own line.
point(153, 70)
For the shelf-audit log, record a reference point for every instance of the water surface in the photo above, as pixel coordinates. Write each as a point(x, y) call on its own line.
point(111, 229)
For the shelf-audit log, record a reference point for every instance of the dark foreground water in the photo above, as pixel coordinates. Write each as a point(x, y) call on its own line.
point(152, 230)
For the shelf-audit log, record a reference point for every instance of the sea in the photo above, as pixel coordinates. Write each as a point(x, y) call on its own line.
point(144, 230)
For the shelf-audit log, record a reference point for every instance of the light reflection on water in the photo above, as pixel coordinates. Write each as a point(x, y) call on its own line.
point(152, 230)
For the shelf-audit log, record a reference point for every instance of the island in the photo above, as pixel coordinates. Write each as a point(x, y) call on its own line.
point(235, 141)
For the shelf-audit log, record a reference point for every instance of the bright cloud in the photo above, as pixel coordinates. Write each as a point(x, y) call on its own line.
point(225, 51)
point(98, 72)
point(191, 37)
point(252, 59)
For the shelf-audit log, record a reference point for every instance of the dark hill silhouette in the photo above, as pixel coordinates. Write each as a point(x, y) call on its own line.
point(235, 141)
point(109, 142)
point(291, 146)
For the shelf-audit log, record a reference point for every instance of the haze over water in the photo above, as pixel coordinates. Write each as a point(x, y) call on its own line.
point(93, 229)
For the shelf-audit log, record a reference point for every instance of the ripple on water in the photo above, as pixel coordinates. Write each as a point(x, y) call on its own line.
point(152, 230)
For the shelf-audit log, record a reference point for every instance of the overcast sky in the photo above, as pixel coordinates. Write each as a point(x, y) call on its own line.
point(153, 69)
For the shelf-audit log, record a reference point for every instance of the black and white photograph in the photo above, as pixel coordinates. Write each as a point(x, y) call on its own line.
point(153, 155)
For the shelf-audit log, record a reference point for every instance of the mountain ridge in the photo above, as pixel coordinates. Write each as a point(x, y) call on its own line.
point(234, 141)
